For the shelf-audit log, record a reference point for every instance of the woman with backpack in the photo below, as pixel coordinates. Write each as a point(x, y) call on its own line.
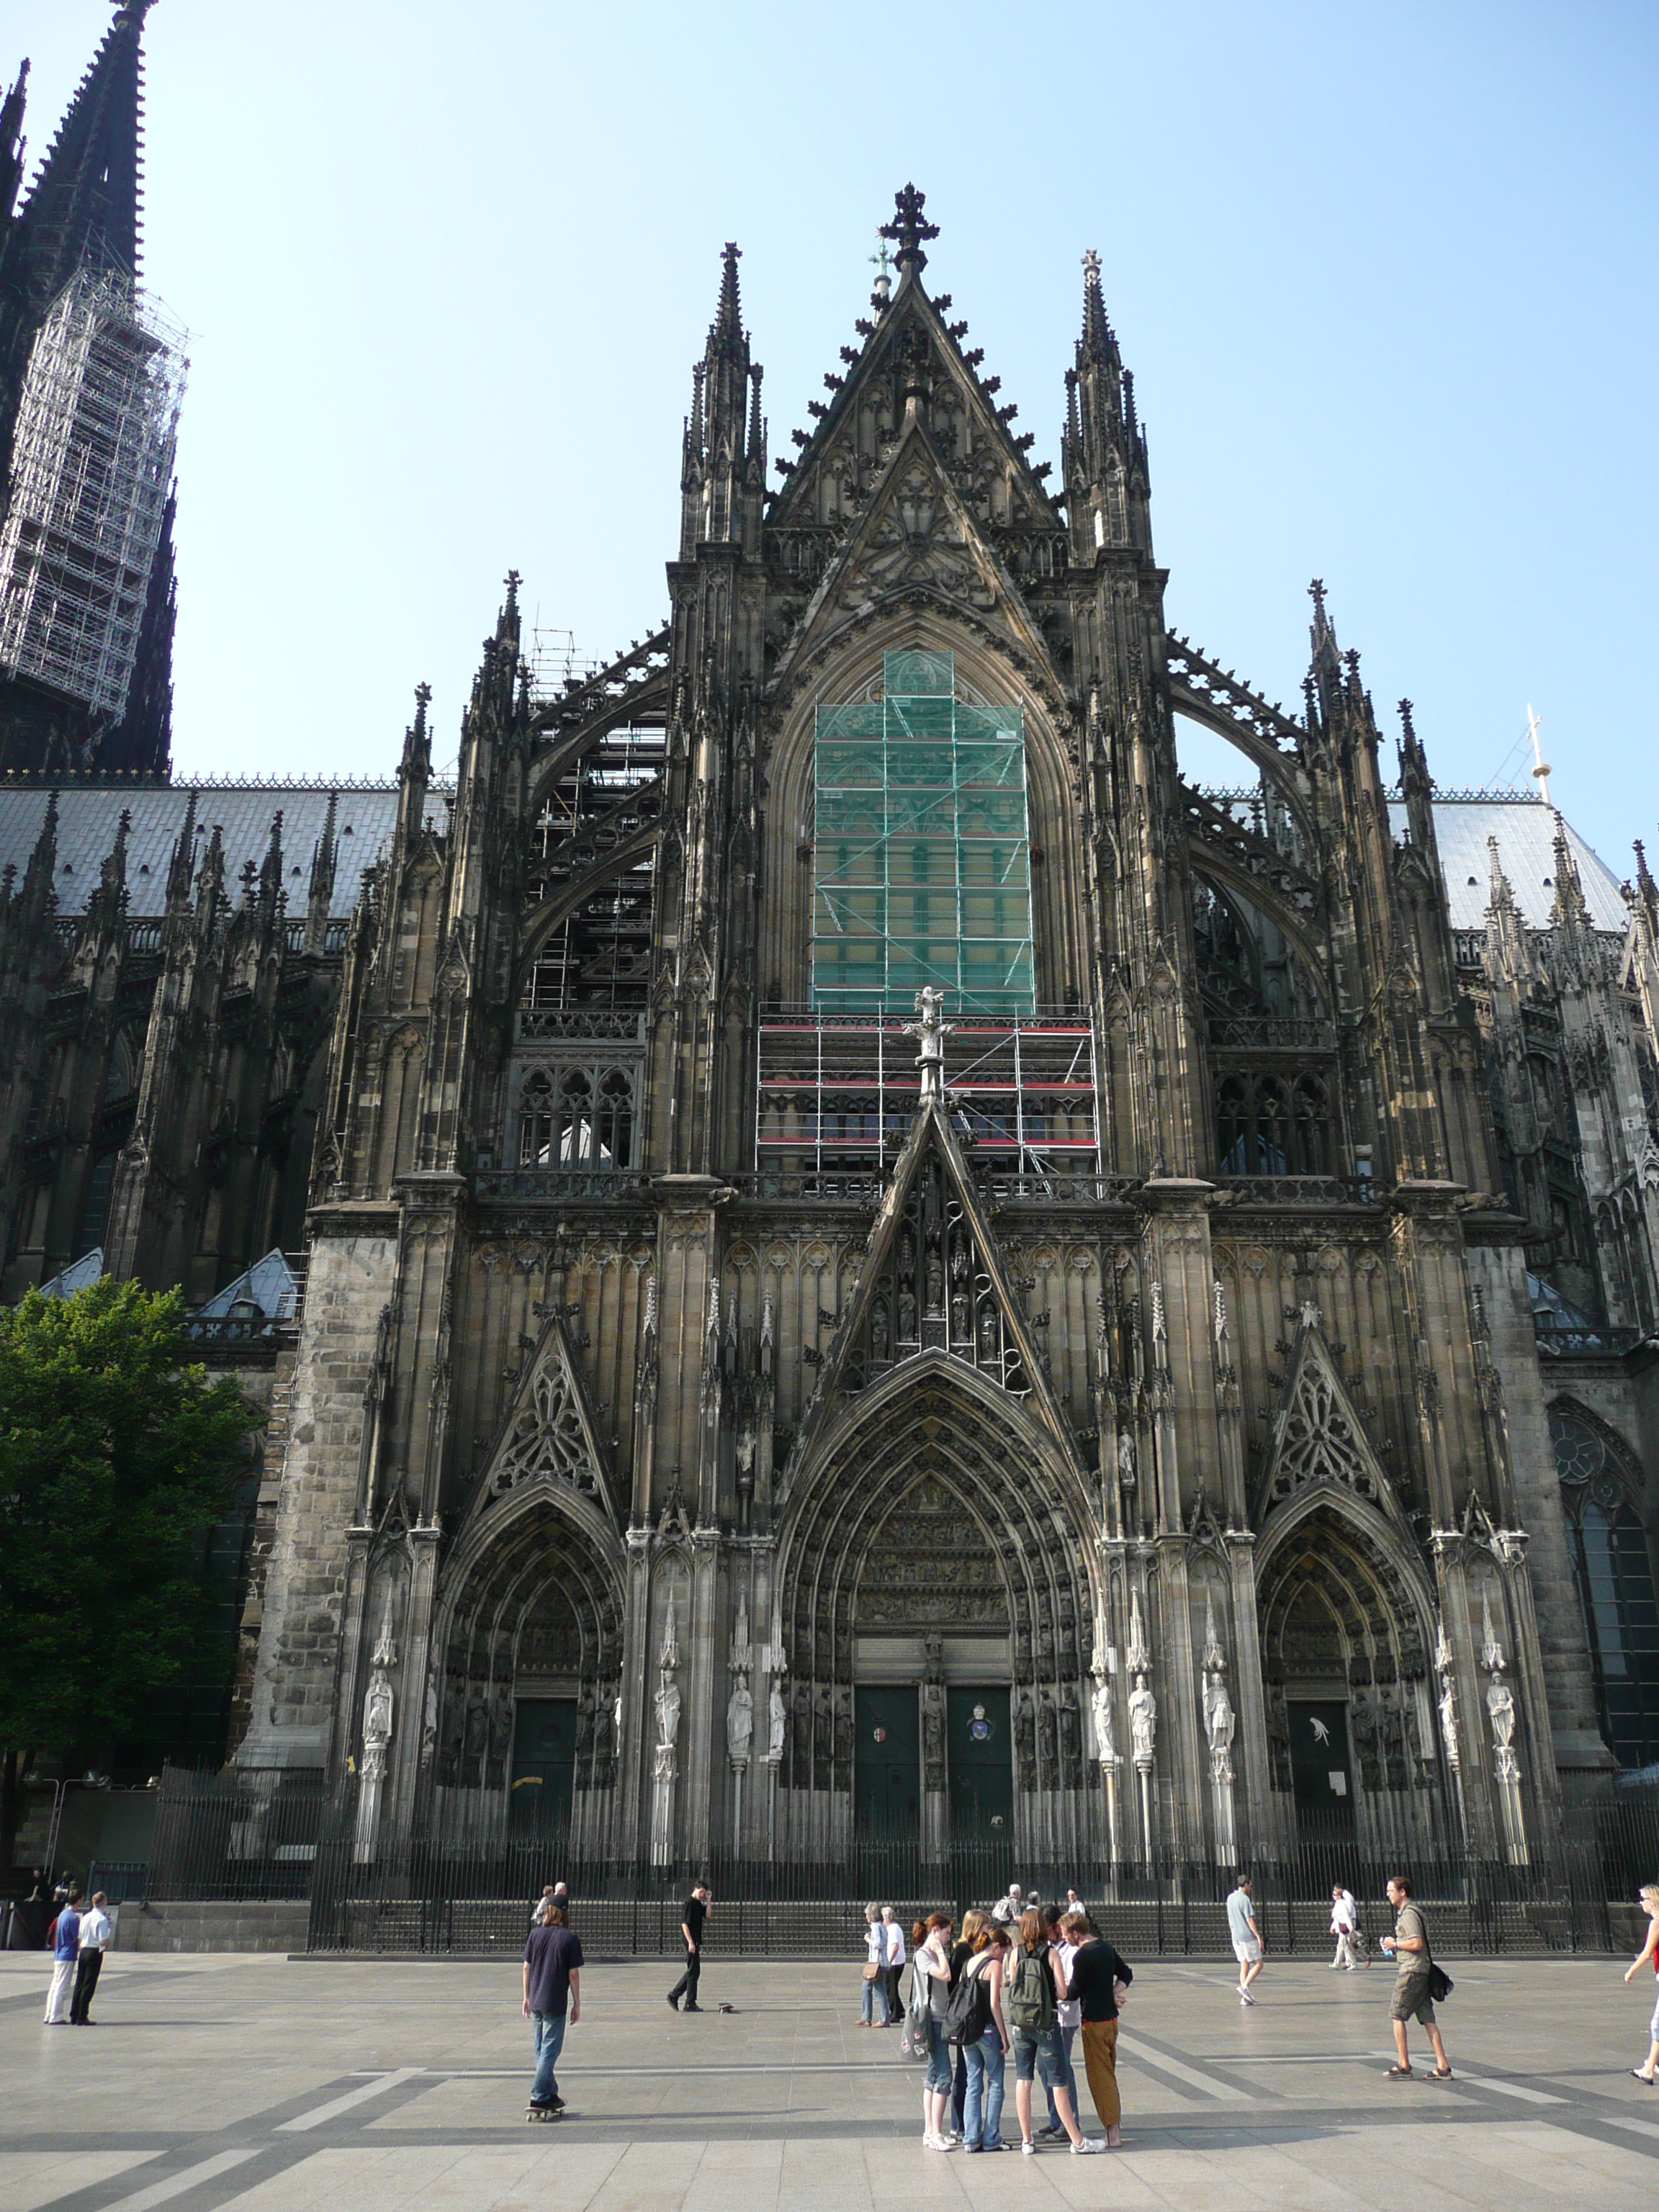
point(976, 2024)
point(930, 1964)
point(1033, 1989)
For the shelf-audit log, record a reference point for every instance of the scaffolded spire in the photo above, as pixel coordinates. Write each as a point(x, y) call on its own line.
point(84, 209)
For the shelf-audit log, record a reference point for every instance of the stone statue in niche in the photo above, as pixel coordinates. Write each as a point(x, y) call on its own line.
point(1143, 1720)
point(844, 1730)
point(907, 1312)
point(739, 1722)
point(1126, 1459)
point(987, 1334)
point(477, 1735)
point(932, 1735)
point(1046, 1733)
point(1105, 1719)
point(1071, 1735)
point(880, 1322)
point(377, 1713)
point(935, 1278)
point(501, 1736)
point(1500, 1706)
point(667, 1703)
point(1025, 1740)
point(960, 1330)
point(776, 1722)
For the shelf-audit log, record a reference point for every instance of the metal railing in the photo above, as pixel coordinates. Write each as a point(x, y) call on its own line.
point(252, 1832)
point(1560, 1342)
point(552, 1186)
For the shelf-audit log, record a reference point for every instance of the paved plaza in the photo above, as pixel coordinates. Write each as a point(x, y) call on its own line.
point(265, 2083)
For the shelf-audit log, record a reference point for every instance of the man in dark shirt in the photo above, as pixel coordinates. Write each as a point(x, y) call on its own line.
point(694, 1913)
point(1096, 1972)
point(552, 1979)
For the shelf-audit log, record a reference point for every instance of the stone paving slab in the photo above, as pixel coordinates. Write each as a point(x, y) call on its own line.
point(262, 2085)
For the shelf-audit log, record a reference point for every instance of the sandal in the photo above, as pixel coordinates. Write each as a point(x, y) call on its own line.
point(1439, 2074)
point(1637, 2074)
point(1399, 2073)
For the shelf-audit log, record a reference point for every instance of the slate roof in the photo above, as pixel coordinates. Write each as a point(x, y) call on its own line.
point(1525, 830)
point(87, 817)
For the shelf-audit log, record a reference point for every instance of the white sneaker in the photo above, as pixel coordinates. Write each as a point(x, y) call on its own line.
point(1245, 1998)
point(1089, 2147)
point(938, 2143)
point(1030, 2149)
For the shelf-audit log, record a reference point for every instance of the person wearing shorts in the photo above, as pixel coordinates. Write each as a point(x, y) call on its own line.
point(1408, 1946)
point(1247, 1937)
point(1648, 1955)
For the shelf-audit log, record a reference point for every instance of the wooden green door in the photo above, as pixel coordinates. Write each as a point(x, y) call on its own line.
point(981, 1767)
point(543, 1766)
point(1321, 1772)
point(887, 1765)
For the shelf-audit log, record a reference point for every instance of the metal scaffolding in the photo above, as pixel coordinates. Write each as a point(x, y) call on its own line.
point(921, 855)
point(92, 462)
point(839, 1091)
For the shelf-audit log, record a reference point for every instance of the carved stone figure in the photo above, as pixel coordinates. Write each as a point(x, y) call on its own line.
point(668, 1710)
point(1025, 1738)
point(1071, 1735)
point(1103, 1707)
point(739, 1721)
point(1046, 1736)
point(1143, 1720)
point(377, 1712)
point(1449, 1722)
point(1126, 1459)
point(1218, 1725)
point(932, 1735)
point(776, 1723)
point(1500, 1706)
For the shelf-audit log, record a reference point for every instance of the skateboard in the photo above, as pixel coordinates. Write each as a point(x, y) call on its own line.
point(544, 2112)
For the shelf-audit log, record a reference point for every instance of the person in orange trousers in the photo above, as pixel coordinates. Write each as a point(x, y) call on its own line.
point(1096, 1973)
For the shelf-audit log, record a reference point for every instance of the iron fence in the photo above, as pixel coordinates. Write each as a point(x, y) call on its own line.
point(278, 1834)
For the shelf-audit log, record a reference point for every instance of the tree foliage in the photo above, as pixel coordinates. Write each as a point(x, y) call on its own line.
point(114, 1453)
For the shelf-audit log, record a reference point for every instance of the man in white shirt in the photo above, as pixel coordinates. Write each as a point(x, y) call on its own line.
point(1344, 1926)
point(95, 1941)
point(893, 1962)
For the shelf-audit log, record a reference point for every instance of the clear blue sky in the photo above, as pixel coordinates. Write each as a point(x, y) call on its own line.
point(1384, 273)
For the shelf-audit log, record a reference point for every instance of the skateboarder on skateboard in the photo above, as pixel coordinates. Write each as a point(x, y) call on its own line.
point(552, 1978)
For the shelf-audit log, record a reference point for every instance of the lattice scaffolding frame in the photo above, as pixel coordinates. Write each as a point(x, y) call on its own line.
point(921, 848)
point(91, 466)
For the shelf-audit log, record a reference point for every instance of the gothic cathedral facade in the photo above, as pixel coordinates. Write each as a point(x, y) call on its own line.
point(881, 1266)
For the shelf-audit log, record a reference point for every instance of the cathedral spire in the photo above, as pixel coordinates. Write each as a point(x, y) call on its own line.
point(181, 869)
point(1569, 912)
point(84, 209)
point(1102, 453)
point(39, 878)
point(12, 143)
point(722, 474)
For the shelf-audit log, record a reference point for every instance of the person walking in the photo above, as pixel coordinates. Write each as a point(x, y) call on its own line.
point(1032, 1990)
point(1247, 1937)
point(1344, 1926)
point(931, 1960)
point(93, 1942)
point(893, 1966)
point(552, 1980)
point(1408, 1946)
point(1093, 1976)
point(693, 1914)
point(65, 1933)
point(1006, 1910)
point(875, 1970)
point(1648, 1955)
point(985, 2046)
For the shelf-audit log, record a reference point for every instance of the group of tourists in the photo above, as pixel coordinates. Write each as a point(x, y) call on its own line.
point(1026, 1980)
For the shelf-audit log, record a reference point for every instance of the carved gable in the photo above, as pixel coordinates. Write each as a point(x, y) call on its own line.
point(1317, 1434)
point(550, 1437)
point(933, 1282)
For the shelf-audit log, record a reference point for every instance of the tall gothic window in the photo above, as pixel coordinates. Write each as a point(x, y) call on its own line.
point(921, 860)
point(1273, 1125)
point(1613, 1575)
point(576, 1117)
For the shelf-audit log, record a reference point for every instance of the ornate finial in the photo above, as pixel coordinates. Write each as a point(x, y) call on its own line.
point(1316, 593)
point(1405, 721)
point(1092, 265)
point(1542, 768)
point(883, 263)
point(930, 1032)
point(910, 228)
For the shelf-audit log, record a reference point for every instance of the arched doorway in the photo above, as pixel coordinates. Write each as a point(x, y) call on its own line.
point(936, 1602)
point(530, 1635)
point(1345, 1626)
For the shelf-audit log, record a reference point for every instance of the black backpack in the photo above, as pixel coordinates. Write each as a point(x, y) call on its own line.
point(967, 2009)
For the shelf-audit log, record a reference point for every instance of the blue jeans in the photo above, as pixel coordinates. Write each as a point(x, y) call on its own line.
point(938, 2056)
point(875, 1993)
point(1064, 2078)
point(549, 2041)
point(982, 2115)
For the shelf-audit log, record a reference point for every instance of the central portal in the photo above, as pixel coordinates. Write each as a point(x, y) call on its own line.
point(980, 1757)
point(887, 1768)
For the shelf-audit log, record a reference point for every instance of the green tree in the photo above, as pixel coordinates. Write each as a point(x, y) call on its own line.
point(114, 1452)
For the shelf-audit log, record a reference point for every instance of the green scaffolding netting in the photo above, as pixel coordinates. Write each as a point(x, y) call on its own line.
point(921, 860)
